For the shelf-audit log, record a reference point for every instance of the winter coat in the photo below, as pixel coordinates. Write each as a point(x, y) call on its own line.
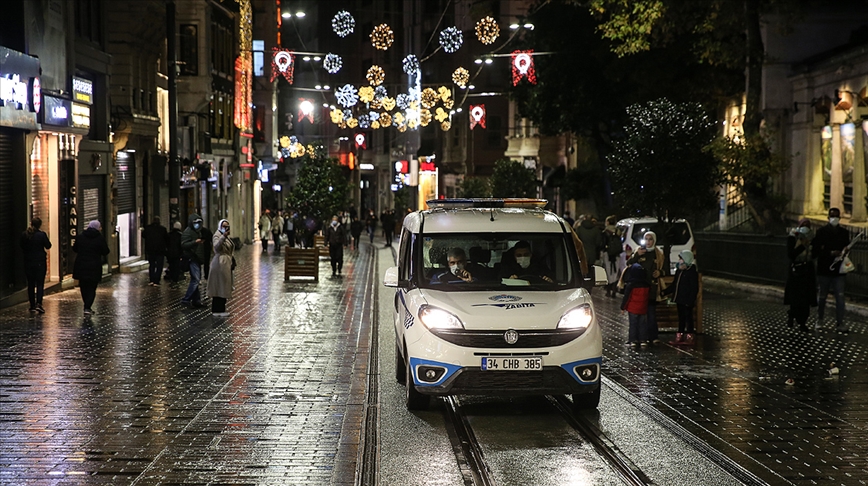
point(636, 291)
point(277, 224)
point(685, 286)
point(173, 244)
point(264, 227)
point(90, 248)
point(829, 238)
point(650, 261)
point(220, 277)
point(801, 286)
point(356, 228)
point(195, 252)
point(156, 239)
point(34, 246)
point(335, 235)
point(592, 238)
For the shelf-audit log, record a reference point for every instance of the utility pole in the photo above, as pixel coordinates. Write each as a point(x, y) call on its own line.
point(174, 165)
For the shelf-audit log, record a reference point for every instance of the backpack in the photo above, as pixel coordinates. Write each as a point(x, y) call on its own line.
point(614, 246)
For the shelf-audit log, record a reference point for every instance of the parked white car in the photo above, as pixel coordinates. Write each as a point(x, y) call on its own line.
point(490, 300)
point(679, 235)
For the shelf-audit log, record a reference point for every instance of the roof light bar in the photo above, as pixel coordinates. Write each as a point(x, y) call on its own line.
point(461, 203)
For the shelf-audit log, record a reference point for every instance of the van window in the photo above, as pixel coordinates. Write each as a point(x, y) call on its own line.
point(678, 234)
point(491, 261)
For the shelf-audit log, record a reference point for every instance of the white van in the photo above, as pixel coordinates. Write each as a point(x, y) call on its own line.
point(679, 235)
point(490, 300)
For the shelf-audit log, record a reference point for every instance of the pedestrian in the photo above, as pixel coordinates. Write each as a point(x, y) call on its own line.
point(614, 259)
point(592, 238)
point(800, 292)
point(388, 221)
point(570, 221)
point(356, 229)
point(335, 236)
point(34, 242)
point(221, 281)
point(276, 231)
point(684, 291)
point(371, 224)
point(194, 250)
point(635, 303)
point(174, 252)
point(829, 247)
point(156, 241)
point(289, 228)
point(265, 229)
point(90, 248)
point(651, 258)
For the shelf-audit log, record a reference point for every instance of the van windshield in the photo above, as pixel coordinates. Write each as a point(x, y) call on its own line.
point(495, 260)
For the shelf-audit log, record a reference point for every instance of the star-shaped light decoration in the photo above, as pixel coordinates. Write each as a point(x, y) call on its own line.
point(451, 39)
point(343, 23)
point(347, 95)
point(332, 63)
point(411, 65)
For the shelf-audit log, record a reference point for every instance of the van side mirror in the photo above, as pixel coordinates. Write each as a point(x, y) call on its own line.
point(391, 279)
point(596, 278)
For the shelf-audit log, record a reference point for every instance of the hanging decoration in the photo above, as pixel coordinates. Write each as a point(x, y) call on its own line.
point(343, 23)
point(403, 101)
point(382, 37)
point(385, 119)
point(451, 39)
point(361, 141)
point(348, 113)
point(376, 75)
point(398, 119)
point(425, 117)
point(441, 115)
point(444, 93)
point(380, 93)
point(411, 65)
point(448, 103)
point(347, 95)
point(282, 62)
point(305, 109)
point(487, 30)
point(461, 77)
point(445, 125)
point(352, 122)
point(366, 94)
point(364, 121)
point(332, 63)
point(477, 116)
point(522, 67)
point(337, 116)
point(388, 103)
point(429, 98)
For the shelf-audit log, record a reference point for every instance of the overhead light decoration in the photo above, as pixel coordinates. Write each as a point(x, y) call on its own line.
point(487, 30)
point(444, 93)
point(445, 125)
point(411, 65)
point(388, 103)
point(361, 141)
point(429, 98)
point(403, 101)
point(522, 67)
point(352, 122)
point(373, 116)
point(376, 75)
point(366, 94)
point(347, 95)
point(332, 63)
point(385, 119)
point(380, 92)
point(451, 39)
point(398, 119)
point(441, 115)
point(402, 128)
point(282, 62)
point(343, 23)
point(305, 109)
point(337, 116)
point(448, 104)
point(364, 121)
point(461, 77)
point(382, 37)
point(477, 116)
point(348, 113)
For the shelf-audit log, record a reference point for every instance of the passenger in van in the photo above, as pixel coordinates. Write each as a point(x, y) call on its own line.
point(522, 264)
point(457, 273)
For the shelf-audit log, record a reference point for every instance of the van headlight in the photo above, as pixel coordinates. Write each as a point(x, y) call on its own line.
point(435, 318)
point(578, 318)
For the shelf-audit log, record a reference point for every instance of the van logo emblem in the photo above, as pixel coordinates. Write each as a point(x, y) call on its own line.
point(510, 336)
point(505, 298)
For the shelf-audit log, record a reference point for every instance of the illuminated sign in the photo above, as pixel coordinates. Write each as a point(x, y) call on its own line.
point(80, 115)
point(427, 166)
point(82, 90)
point(57, 112)
point(243, 91)
point(20, 91)
point(13, 91)
point(366, 166)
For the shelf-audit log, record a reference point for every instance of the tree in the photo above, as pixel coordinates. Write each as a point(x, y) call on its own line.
point(474, 187)
point(661, 168)
point(512, 179)
point(321, 188)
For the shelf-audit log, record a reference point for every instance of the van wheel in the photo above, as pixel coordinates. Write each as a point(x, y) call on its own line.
point(400, 367)
point(413, 399)
point(586, 401)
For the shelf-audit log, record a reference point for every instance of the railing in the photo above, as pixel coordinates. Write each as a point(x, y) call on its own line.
point(763, 259)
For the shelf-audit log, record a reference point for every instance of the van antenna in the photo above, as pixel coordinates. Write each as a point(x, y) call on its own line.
point(492, 214)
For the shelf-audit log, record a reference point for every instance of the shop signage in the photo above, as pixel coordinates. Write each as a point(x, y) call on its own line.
point(82, 90)
point(13, 91)
point(20, 92)
point(58, 112)
point(80, 115)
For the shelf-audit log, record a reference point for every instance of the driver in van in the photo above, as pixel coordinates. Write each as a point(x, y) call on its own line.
point(457, 273)
point(524, 264)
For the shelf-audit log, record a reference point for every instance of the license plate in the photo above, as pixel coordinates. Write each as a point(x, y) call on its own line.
point(512, 363)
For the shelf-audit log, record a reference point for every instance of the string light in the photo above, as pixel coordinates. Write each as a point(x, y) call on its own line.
point(364, 121)
point(487, 30)
point(337, 116)
point(388, 103)
point(461, 77)
point(366, 94)
point(441, 115)
point(376, 75)
point(429, 98)
point(347, 95)
point(332, 63)
point(382, 37)
point(380, 92)
point(444, 93)
point(352, 123)
point(385, 119)
point(403, 101)
point(446, 125)
point(411, 65)
point(425, 117)
point(451, 39)
point(343, 23)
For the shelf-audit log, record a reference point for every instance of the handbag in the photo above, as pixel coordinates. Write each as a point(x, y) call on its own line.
point(846, 265)
point(234, 264)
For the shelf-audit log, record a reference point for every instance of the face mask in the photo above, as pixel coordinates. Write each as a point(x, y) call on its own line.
point(455, 268)
point(834, 221)
point(523, 262)
point(223, 230)
point(334, 223)
point(196, 226)
point(682, 265)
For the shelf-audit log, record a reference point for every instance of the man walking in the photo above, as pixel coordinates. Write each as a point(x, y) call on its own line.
point(194, 250)
point(335, 237)
point(829, 247)
point(265, 229)
point(156, 241)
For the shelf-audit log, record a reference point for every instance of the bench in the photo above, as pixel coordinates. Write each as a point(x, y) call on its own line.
point(320, 245)
point(301, 262)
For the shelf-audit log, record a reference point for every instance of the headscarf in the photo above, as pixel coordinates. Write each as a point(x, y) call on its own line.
point(687, 256)
point(94, 225)
point(645, 237)
point(220, 224)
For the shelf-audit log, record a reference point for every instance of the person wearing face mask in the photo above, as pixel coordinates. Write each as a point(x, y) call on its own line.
point(335, 235)
point(684, 290)
point(90, 248)
point(828, 246)
point(651, 258)
point(220, 279)
point(457, 273)
point(800, 292)
point(194, 251)
point(524, 266)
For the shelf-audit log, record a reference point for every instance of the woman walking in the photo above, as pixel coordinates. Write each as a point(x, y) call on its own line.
point(800, 292)
point(220, 282)
point(90, 248)
point(34, 242)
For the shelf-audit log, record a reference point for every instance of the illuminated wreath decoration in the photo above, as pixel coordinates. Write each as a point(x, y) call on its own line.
point(376, 75)
point(382, 37)
point(487, 30)
point(461, 77)
point(451, 39)
point(343, 23)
